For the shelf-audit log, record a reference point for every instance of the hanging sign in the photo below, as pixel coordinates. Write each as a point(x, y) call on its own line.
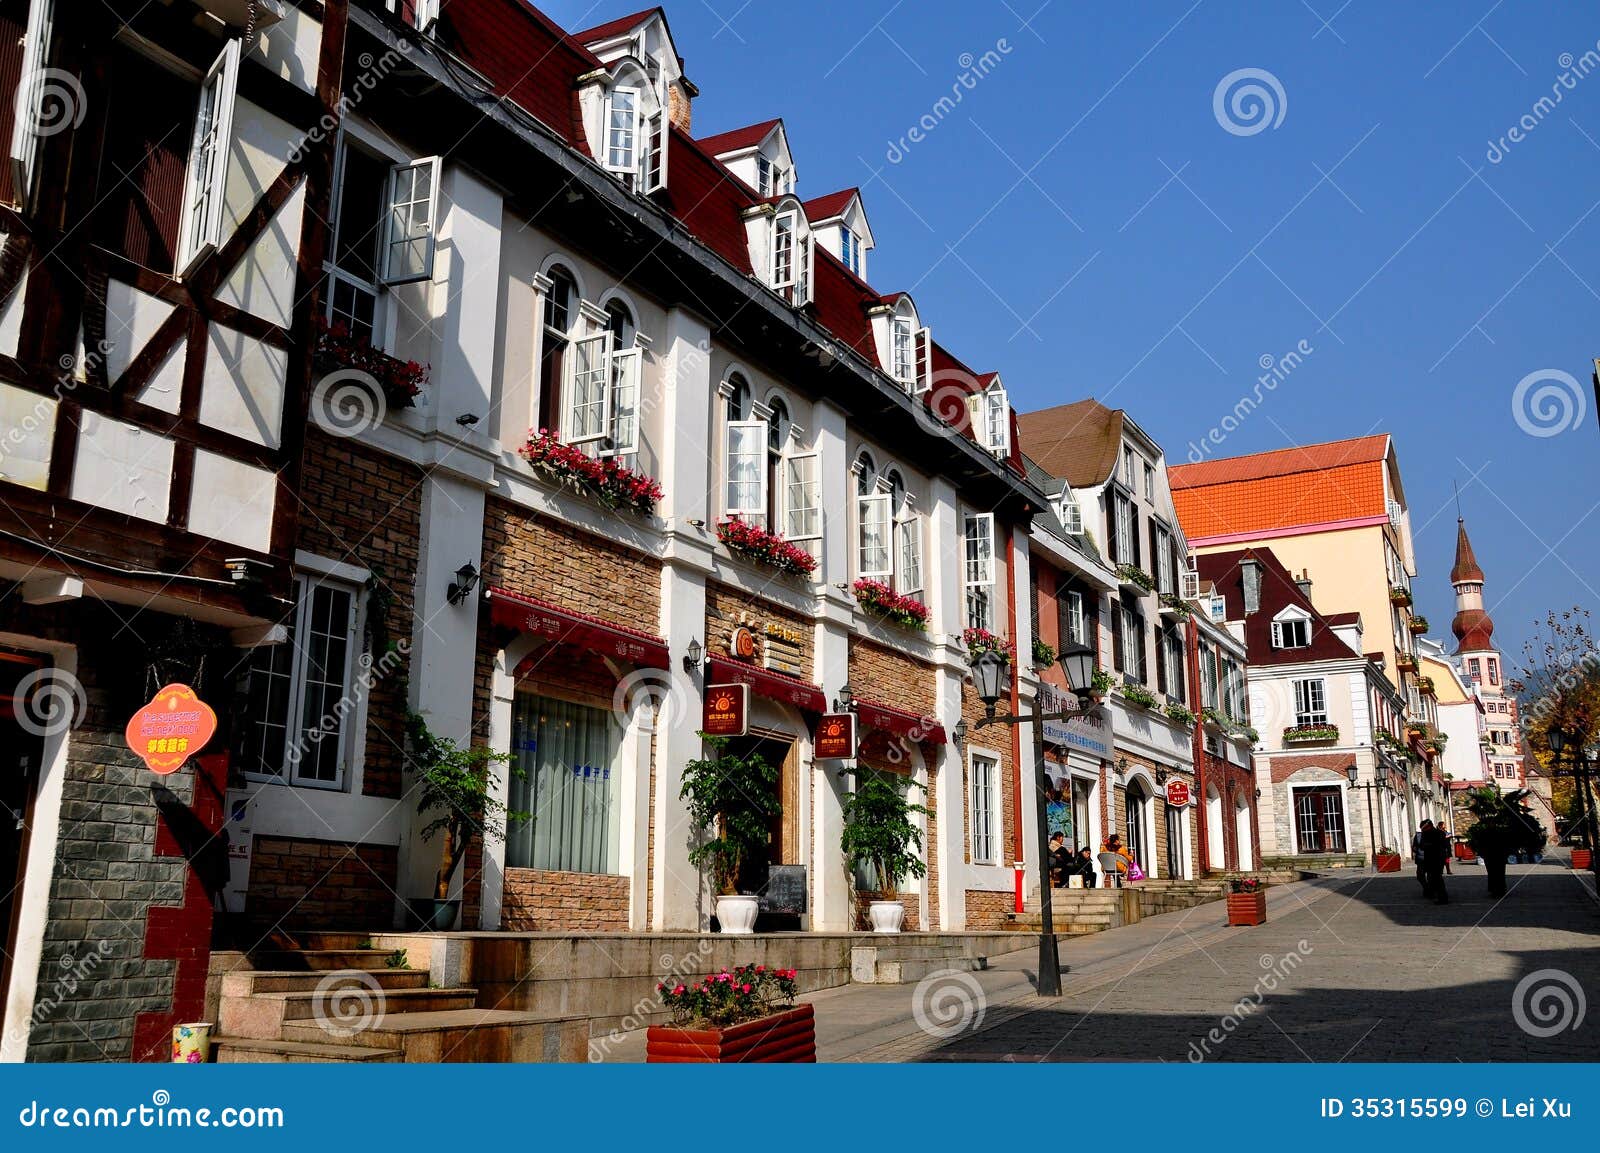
point(727, 711)
point(836, 737)
point(1177, 793)
point(742, 644)
point(173, 727)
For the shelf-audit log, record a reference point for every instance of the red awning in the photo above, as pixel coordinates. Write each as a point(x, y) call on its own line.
point(899, 722)
point(531, 615)
point(766, 683)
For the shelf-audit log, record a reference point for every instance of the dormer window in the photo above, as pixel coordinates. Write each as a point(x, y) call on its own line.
point(791, 257)
point(905, 351)
point(1070, 513)
point(636, 135)
point(994, 419)
point(1291, 630)
point(622, 130)
point(850, 250)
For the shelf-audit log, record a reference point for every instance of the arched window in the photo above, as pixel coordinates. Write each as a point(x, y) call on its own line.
point(738, 391)
point(619, 322)
point(866, 475)
point(747, 456)
point(560, 311)
point(907, 530)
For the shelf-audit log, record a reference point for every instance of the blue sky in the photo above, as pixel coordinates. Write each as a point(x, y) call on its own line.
point(1083, 222)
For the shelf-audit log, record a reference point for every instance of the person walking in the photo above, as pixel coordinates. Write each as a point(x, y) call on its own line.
point(1416, 854)
point(1434, 846)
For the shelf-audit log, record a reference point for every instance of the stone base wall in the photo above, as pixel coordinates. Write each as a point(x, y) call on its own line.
point(540, 902)
point(297, 883)
point(987, 909)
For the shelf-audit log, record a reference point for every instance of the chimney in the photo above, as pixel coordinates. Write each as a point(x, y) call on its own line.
point(1303, 583)
point(1250, 569)
point(679, 97)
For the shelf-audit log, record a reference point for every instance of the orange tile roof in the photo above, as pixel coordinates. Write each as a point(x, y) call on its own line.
point(1282, 461)
point(1279, 501)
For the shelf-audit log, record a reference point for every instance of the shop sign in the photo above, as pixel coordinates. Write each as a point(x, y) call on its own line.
point(1178, 793)
point(173, 727)
point(742, 644)
point(836, 737)
point(1088, 733)
point(781, 652)
point(727, 711)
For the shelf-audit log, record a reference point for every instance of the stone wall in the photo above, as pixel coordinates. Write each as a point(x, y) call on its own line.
point(537, 901)
point(296, 883)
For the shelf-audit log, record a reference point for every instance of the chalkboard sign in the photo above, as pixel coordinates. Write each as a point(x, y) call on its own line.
point(785, 891)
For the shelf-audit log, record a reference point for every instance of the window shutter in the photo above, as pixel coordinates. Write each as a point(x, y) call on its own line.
point(1133, 530)
point(747, 471)
point(24, 141)
point(924, 360)
point(624, 422)
point(873, 560)
point(207, 172)
point(1116, 640)
point(802, 510)
point(1139, 649)
point(1161, 662)
point(408, 235)
point(1277, 634)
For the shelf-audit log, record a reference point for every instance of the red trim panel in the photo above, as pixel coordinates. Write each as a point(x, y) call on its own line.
point(531, 615)
point(899, 722)
point(764, 682)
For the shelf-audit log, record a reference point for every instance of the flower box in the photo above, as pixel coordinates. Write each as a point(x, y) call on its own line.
point(907, 612)
point(755, 543)
point(337, 349)
point(984, 641)
point(789, 1035)
point(1247, 908)
point(1180, 713)
point(1308, 734)
point(1136, 694)
point(1174, 605)
point(1405, 663)
point(612, 484)
point(1419, 625)
point(1400, 595)
point(1132, 577)
point(1386, 862)
point(1582, 858)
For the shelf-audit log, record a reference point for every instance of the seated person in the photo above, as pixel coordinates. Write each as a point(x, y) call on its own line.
point(1086, 866)
point(1061, 862)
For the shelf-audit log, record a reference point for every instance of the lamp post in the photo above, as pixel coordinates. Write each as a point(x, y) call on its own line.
point(988, 675)
point(1559, 740)
point(1353, 772)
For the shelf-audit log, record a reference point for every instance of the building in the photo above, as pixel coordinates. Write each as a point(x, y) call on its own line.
point(1481, 663)
point(1107, 481)
point(370, 420)
point(1332, 760)
point(1463, 717)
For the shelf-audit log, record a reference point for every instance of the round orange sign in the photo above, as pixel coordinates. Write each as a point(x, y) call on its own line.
point(173, 727)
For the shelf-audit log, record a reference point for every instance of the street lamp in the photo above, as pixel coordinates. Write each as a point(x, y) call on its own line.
point(1353, 772)
point(989, 678)
point(1558, 740)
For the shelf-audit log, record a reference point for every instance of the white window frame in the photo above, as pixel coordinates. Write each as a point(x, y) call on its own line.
point(1280, 634)
point(764, 172)
point(983, 841)
point(393, 240)
point(1310, 701)
point(785, 249)
point(621, 157)
point(1132, 649)
point(353, 719)
point(908, 555)
point(996, 420)
point(25, 143)
point(205, 177)
point(875, 510)
point(596, 372)
point(1165, 560)
point(622, 421)
point(1070, 513)
point(1189, 585)
point(849, 249)
point(978, 572)
point(653, 158)
point(1077, 618)
point(903, 351)
point(802, 500)
point(747, 439)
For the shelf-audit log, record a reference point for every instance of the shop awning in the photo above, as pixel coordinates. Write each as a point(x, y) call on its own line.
point(766, 683)
point(532, 615)
point(899, 722)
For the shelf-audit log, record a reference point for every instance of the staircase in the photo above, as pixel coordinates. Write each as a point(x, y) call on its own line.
point(1076, 912)
point(337, 999)
point(911, 957)
point(1299, 865)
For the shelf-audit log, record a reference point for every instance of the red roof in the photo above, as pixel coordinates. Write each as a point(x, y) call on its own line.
point(1466, 566)
point(1278, 592)
point(708, 199)
point(842, 301)
point(738, 138)
point(1281, 462)
point(830, 205)
point(616, 27)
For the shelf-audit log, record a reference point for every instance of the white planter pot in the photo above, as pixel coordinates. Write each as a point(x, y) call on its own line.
point(886, 916)
point(738, 914)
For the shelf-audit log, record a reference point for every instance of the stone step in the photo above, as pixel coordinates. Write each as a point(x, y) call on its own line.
point(479, 1035)
point(246, 1051)
point(908, 970)
point(323, 959)
point(323, 939)
point(267, 1016)
point(247, 982)
point(1023, 923)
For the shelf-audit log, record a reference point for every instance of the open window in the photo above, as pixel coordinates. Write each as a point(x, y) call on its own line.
point(1291, 629)
point(621, 155)
point(991, 424)
point(29, 111)
point(408, 241)
point(802, 505)
point(978, 570)
point(207, 173)
point(791, 265)
point(747, 470)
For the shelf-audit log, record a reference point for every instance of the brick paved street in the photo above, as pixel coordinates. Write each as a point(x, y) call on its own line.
point(1382, 975)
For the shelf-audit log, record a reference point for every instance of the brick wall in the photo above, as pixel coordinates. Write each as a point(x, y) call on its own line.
point(887, 677)
point(988, 910)
point(297, 883)
point(537, 901)
point(726, 607)
point(1000, 739)
point(363, 507)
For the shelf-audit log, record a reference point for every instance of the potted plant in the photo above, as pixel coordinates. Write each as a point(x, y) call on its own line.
point(741, 1015)
point(1131, 575)
point(1502, 826)
point(456, 792)
point(755, 543)
point(1044, 654)
point(1386, 860)
point(897, 608)
point(1419, 625)
point(1247, 901)
point(1174, 603)
point(732, 801)
point(980, 640)
point(337, 348)
point(1181, 713)
point(1400, 595)
point(1136, 694)
point(1306, 734)
point(1100, 684)
point(879, 834)
point(614, 485)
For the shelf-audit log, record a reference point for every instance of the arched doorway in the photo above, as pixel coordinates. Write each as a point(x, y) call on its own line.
point(1136, 807)
point(1241, 832)
point(1216, 835)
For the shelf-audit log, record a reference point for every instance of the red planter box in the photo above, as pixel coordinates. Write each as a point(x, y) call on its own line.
point(1464, 852)
point(1387, 862)
point(1581, 858)
point(787, 1036)
point(1247, 908)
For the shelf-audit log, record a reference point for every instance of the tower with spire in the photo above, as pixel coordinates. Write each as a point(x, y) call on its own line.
point(1482, 666)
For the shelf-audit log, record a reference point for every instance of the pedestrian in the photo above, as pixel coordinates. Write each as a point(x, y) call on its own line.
point(1434, 847)
point(1416, 854)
